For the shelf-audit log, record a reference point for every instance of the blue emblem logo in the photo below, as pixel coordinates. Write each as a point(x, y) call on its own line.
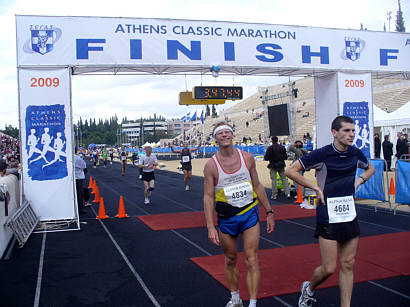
point(42, 40)
point(353, 48)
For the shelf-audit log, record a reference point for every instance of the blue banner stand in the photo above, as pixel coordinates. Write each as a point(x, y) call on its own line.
point(402, 183)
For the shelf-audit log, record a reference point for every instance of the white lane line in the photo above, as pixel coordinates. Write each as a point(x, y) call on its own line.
point(273, 242)
point(281, 301)
point(131, 267)
point(192, 243)
point(299, 224)
point(383, 226)
point(40, 271)
point(389, 289)
point(381, 210)
point(158, 194)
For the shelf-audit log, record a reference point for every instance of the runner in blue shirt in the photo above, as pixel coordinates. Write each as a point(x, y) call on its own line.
point(336, 223)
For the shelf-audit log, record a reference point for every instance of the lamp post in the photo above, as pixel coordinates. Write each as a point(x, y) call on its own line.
point(389, 18)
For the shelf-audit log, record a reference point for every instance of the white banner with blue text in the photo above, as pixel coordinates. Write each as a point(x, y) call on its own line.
point(96, 41)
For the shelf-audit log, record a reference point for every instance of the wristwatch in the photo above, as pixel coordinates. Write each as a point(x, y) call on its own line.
point(270, 211)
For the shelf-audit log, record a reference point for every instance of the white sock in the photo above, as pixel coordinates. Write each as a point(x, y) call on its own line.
point(252, 303)
point(310, 292)
point(235, 296)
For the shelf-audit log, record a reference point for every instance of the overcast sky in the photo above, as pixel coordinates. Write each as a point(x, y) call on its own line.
point(142, 96)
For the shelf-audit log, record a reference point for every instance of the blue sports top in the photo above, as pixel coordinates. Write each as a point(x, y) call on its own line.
point(335, 173)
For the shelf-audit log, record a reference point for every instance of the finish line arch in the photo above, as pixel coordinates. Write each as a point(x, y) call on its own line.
point(50, 49)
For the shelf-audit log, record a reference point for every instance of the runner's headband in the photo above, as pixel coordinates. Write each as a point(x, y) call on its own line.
point(221, 128)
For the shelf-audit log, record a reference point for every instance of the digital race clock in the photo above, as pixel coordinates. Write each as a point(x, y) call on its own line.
point(218, 92)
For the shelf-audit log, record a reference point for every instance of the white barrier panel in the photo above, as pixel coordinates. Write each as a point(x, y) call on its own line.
point(7, 183)
point(46, 138)
point(355, 99)
point(350, 95)
point(90, 42)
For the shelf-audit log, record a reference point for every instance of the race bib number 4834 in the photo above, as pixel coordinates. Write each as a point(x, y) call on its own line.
point(239, 195)
point(341, 209)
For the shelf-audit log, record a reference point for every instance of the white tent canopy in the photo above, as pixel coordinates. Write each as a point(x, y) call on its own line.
point(397, 118)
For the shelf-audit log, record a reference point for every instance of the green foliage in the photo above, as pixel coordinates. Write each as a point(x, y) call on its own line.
point(11, 131)
point(399, 20)
point(105, 131)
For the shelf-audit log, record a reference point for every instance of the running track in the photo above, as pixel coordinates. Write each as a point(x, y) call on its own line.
point(122, 262)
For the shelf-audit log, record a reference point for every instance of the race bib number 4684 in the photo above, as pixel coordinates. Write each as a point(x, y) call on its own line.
point(341, 209)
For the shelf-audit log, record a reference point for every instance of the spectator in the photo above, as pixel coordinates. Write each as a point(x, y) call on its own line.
point(387, 151)
point(401, 146)
point(276, 155)
point(79, 166)
point(298, 151)
point(377, 146)
point(13, 187)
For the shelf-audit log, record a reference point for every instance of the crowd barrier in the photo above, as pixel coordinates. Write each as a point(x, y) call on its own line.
point(402, 183)
point(254, 149)
point(375, 187)
point(11, 184)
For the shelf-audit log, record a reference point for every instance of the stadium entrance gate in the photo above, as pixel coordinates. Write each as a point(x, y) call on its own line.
point(50, 49)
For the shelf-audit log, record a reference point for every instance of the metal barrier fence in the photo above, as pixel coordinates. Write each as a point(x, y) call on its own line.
point(375, 187)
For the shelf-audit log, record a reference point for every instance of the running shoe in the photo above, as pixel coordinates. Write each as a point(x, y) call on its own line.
point(305, 300)
point(187, 188)
point(232, 304)
point(273, 197)
point(146, 201)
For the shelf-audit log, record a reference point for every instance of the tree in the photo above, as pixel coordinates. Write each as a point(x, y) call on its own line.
point(11, 131)
point(214, 114)
point(399, 20)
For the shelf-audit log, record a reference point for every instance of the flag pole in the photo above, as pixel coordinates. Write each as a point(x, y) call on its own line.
point(203, 129)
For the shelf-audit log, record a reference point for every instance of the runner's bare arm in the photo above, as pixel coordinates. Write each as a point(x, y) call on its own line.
point(260, 191)
point(209, 179)
point(195, 149)
point(364, 176)
point(292, 172)
point(173, 150)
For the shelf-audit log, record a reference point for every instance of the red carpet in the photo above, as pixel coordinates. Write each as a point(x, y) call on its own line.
point(197, 219)
point(284, 269)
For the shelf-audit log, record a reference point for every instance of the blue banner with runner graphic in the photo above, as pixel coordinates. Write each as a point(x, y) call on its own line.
point(403, 182)
point(374, 187)
point(46, 142)
point(359, 112)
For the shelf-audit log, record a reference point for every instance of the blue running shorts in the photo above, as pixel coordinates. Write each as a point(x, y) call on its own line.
point(239, 223)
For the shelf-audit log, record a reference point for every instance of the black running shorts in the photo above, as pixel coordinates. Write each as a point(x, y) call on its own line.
point(186, 166)
point(340, 232)
point(148, 176)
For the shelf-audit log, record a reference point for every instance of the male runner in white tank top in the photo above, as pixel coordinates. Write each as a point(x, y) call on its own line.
point(232, 183)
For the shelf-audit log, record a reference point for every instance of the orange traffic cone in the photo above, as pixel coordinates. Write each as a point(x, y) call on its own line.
point(91, 182)
point(121, 209)
point(97, 195)
point(101, 211)
point(94, 187)
point(392, 189)
point(299, 198)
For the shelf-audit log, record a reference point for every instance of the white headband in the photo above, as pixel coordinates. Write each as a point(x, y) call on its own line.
point(222, 127)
